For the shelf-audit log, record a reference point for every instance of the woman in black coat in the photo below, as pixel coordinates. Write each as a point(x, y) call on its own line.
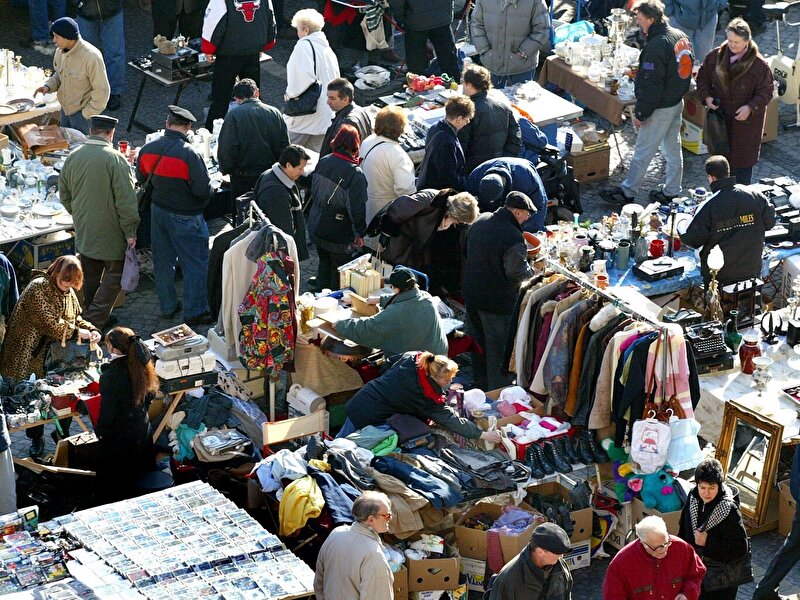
point(127, 385)
point(712, 524)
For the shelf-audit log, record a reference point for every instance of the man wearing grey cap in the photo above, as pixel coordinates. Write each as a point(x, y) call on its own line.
point(496, 266)
point(538, 572)
point(96, 188)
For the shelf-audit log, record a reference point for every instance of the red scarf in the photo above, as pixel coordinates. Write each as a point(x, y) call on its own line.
point(351, 159)
point(425, 383)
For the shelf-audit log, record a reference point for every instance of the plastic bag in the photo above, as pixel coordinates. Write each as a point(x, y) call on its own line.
point(130, 271)
point(572, 32)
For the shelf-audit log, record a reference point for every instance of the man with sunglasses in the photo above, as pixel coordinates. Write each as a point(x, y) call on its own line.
point(351, 563)
point(657, 564)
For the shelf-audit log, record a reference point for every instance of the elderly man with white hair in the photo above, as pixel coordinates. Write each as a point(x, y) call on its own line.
point(656, 565)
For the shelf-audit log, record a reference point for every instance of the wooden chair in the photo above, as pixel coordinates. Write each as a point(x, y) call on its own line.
point(292, 429)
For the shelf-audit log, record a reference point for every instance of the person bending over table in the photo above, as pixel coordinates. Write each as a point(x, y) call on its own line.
point(408, 320)
point(47, 311)
point(127, 385)
point(414, 385)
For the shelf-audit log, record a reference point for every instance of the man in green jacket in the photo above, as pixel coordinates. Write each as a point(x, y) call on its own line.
point(408, 321)
point(96, 188)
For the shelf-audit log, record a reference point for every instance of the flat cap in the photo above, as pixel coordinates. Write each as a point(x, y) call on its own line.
point(550, 537)
point(181, 113)
point(521, 201)
point(103, 122)
point(490, 189)
point(402, 278)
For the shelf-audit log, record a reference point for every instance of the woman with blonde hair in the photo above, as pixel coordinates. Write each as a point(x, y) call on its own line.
point(414, 385)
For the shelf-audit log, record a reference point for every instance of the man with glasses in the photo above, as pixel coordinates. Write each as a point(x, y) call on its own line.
point(351, 563)
point(657, 564)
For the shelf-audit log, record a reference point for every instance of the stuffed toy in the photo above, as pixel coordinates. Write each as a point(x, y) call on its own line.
point(623, 471)
point(657, 491)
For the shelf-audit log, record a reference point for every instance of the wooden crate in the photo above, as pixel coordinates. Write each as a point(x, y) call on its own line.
point(592, 165)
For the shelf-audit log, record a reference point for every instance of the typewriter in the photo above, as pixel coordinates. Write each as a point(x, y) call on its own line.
point(708, 343)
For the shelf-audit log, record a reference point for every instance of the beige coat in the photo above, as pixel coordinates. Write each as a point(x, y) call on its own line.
point(351, 566)
point(79, 80)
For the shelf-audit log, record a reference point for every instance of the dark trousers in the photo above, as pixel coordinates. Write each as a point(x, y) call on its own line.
point(226, 70)
point(101, 286)
point(165, 20)
point(241, 184)
point(38, 431)
point(277, 7)
point(443, 43)
point(327, 271)
point(744, 176)
point(490, 331)
point(783, 562)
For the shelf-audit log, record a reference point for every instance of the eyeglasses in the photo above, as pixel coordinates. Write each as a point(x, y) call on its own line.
point(659, 548)
point(387, 516)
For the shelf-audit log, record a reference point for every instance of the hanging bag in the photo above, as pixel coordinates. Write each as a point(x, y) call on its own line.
point(668, 407)
point(130, 271)
point(715, 132)
point(306, 102)
point(650, 439)
point(724, 575)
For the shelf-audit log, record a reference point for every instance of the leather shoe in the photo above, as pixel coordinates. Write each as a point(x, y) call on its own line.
point(202, 319)
point(584, 451)
point(556, 458)
point(389, 55)
point(114, 102)
point(565, 521)
point(600, 455)
point(659, 196)
point(533, 464)
point(547, 466)
point(37, 447)
point(565, 446)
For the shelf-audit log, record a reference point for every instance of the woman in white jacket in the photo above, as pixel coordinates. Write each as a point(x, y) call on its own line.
point(309, 130)
point(387, 167)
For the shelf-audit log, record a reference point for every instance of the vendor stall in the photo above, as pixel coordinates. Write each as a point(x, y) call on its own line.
point(18, 82)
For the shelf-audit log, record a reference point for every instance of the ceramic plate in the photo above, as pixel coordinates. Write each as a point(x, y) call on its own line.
point(42, 223)
point(63, 219)
point(47, 209)
point(7, 109)
point(22, 104)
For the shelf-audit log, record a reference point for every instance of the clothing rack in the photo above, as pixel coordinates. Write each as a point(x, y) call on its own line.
point(620, 304)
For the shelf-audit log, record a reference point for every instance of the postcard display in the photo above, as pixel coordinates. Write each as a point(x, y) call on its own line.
point(185, 542)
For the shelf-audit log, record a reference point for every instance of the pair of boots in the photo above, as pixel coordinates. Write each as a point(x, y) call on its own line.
point(588, 450)
point(547, 458)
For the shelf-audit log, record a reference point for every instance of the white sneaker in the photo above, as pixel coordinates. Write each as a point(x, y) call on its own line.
point(45, 48)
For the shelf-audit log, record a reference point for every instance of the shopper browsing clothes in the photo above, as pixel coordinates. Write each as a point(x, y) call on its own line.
point(712, 524)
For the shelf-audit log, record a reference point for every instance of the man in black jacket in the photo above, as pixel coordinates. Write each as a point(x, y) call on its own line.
point(346, 111)
point(427, 20)
point(252, 138)
point(496, 266)
point(443, 163)
point(276, 193)
point(101, 23)
point(735, 219)
point(665, 70)
point(493, 131)
point(235, 32)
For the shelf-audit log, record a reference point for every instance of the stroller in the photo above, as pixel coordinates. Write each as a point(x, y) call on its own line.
point(563, 191)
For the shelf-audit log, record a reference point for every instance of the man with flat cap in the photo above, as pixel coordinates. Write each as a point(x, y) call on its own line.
point(539, 572)
point(181, 190)
point(96, 187)
point(497, 264)
point(79, 76)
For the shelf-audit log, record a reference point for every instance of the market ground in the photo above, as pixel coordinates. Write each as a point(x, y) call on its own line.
point(141, 310)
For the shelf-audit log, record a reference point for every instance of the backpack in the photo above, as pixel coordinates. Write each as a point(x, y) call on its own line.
point(267, 317)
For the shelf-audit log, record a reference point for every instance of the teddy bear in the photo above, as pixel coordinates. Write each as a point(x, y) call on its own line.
point(623, 471)
point(657, 491)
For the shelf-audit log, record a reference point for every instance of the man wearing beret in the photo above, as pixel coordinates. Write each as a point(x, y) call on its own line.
point(96, 188)
point(538, 572)
point(496, 267)
point(79, 76)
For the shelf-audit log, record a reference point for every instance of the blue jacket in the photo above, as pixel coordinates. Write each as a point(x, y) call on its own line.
point(522, 176)
point(692, 14)
point(443, 165)
point(435, 490)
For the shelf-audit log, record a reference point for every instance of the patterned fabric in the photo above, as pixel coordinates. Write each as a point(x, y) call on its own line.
point(268, 335)
point(718, 514)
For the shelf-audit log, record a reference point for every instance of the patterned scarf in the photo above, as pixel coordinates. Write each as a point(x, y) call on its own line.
point(718, 513)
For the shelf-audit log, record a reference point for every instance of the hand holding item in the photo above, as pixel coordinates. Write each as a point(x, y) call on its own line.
point(132, 242)
point(358, 242)
point(42, 90)
point(710, 103)
point(491, 436)
point(637, 123)
point(700, 538)
point(681, 597)
point(743, 113)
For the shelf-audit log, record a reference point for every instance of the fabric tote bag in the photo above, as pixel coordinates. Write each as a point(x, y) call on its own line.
point(130, 271)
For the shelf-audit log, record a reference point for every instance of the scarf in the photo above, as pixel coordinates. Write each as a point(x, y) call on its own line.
point(718, 514)
point(427, 386)
point(728, 72)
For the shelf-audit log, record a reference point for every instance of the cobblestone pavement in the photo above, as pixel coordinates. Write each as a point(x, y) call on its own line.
point(141, 310)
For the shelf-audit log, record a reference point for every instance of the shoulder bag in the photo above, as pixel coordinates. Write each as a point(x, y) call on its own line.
point(65, 355)
point(144, 195)
point(724, 575)
point(306, 102)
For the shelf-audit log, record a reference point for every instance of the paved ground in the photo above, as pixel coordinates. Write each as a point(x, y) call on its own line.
point(141, 310)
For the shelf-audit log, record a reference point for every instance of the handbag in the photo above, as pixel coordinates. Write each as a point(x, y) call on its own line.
point(144, 195)
point(715, 132)
point(130, 271)
point(306, 102)
point(63, 356)
point(664, 410)
point(724, 575)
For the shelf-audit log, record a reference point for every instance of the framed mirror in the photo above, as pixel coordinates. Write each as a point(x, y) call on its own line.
point(749, 447)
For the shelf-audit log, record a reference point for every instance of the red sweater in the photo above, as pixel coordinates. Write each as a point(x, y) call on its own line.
point(635, 575)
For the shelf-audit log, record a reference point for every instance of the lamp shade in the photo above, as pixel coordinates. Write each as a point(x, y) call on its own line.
point(715, 259)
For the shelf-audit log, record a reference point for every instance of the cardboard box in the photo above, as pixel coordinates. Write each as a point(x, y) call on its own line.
point(39, 252)
point(3, 141)
point(475, 572)
point(787, 507)
point(616, 537)
point(433, 574)
point(695, 112)
point(494, 395)
point(692, 138)
point(672, 519)
point(401, 584)
point(471, 543)
point(581, 519)
point(460, 593)
point(579, 555)
point(771, 122)
point(591, 166)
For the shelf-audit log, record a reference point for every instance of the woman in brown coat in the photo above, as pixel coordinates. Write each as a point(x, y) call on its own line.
point(736, 79)
point(48, 310)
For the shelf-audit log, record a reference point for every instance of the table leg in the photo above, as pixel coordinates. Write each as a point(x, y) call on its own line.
point(176, 398)
point(132, 120)
point(616, 141)
point(178, 93)
point(81, 424)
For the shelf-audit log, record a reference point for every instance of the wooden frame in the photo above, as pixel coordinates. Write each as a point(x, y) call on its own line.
point(735, 412)
point(291, 429)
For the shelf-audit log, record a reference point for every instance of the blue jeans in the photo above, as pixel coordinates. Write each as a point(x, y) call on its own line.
point(783, 562)
point(661, 130)
point(75, 121)
point(111, 32)
point(702, 39)
point(183, 238)
point(501, 81)
point(347, 429)
point(40, 13)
